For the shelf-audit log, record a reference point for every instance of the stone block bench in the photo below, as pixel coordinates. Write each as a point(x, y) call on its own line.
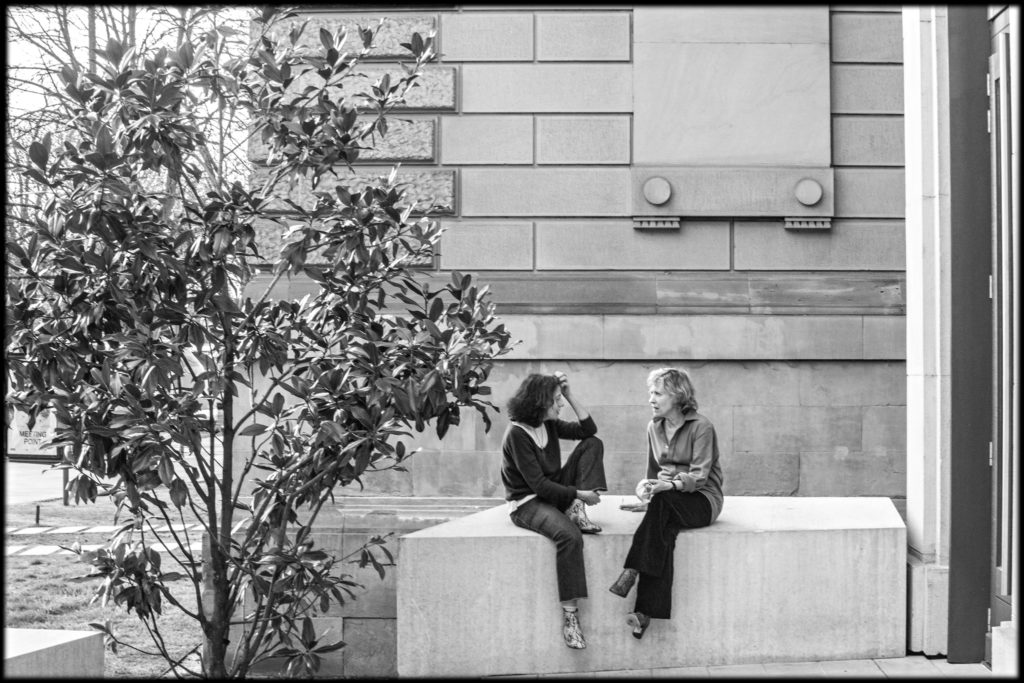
point(52, 653)
point(775, 579)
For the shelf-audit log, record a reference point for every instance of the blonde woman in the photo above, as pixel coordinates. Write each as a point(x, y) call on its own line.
point(683, 490)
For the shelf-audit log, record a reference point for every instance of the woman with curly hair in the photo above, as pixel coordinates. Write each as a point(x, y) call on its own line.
point(683, 490)
point(543, 495)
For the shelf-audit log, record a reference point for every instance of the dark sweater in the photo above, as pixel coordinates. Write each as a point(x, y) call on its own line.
point(526, 468)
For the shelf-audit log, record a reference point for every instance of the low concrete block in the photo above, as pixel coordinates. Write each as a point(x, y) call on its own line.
point(52, 653)
point(780, 580)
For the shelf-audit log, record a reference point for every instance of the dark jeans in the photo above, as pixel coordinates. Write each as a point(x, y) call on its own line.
point(654, 542)
point(585, 470)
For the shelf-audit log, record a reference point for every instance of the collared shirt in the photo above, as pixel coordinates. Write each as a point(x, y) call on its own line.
point(689, 456)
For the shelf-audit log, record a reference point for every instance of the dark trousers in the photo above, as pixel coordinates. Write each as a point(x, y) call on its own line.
point(585, 470)
point(654, 543)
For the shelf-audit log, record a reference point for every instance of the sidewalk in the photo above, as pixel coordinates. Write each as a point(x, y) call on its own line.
point(914, 666)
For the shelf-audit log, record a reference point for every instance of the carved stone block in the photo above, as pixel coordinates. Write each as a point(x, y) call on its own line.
point(433, 187)
point(434, 89)
point(405, 141)
point(395, 30)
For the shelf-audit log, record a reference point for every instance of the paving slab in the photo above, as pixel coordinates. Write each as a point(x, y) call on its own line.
point(30, 530)
point(736, 671)
point(41, 550)
point(852, 668)
point(631, 673)
point(85, 548)
point(681, 672)
point(794, 669)
point(12, 549)
point(961, 670)
point(911, 667)
point(67, 529)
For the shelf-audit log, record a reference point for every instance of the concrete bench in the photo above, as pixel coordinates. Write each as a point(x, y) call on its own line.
point(52, 653)
point(773, 580)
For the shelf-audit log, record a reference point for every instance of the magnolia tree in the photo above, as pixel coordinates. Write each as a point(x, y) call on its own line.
point(132, 312)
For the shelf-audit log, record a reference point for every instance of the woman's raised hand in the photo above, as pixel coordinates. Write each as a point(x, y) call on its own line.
point(563, 382)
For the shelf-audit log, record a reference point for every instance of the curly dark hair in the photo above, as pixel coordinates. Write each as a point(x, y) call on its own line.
point(533, 398)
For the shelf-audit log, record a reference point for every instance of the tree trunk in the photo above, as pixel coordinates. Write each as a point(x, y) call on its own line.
point(217, 636)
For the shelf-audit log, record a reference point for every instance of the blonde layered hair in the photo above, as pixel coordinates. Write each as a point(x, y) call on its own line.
point(675, 382)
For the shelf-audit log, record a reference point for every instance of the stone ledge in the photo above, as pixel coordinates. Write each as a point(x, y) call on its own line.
point(782, 580)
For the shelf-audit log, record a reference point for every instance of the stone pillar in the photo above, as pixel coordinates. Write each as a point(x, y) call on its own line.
point(926, 129)
point(1005, 645)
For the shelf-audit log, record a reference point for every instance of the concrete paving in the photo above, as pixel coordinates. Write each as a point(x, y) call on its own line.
point(913, 666)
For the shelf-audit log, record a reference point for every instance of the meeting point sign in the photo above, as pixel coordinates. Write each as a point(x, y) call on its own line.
point(24, 441)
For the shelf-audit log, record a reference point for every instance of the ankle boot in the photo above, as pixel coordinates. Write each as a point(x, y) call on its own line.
point(578, 514)
point(625, 581)
point(639, 622)
point(571, 630)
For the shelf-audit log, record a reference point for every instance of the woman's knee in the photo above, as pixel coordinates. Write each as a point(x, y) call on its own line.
point(569, 537)
point(593, 445)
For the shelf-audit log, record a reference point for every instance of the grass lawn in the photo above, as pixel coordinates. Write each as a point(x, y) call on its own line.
point(54, 513)
point(38, 594)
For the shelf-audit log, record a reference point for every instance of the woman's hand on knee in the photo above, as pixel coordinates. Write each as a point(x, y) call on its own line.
point(589, 497)
point(658, 486)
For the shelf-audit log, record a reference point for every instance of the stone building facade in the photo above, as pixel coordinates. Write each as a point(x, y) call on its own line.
point(723, 189)
point(546, 129)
